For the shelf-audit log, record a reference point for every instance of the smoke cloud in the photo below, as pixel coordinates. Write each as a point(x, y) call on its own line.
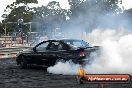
point(115, 57)
point(65, 68)
point(98, 36)
point(115, 53)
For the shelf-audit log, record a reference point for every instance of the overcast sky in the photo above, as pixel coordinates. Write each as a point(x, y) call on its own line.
point(64, 4)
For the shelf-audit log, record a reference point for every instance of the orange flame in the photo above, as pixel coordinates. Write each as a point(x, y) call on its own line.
point(81, 71)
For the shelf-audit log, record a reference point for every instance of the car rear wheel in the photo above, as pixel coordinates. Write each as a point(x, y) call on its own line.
point(82, 80)
point(23, 63)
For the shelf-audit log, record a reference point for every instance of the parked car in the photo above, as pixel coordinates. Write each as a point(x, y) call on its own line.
point(49, 52)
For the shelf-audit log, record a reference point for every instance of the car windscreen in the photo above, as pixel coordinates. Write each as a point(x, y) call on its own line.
point(77, 43)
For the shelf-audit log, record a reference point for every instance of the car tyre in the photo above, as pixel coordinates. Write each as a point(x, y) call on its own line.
point(82, 79)
point(23, 63)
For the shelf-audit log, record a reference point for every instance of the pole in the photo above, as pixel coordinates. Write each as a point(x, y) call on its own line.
point(30, 29)
point(5, 29)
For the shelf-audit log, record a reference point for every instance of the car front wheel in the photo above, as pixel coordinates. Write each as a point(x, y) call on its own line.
point(22, 63)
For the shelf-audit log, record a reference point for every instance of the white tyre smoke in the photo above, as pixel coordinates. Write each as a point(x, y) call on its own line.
point(65, 68)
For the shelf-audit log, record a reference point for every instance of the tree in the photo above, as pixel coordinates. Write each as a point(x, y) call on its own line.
point(26, 1)
point(1, 29)
point(18, 10)
point(49, 17)
point(86, 13)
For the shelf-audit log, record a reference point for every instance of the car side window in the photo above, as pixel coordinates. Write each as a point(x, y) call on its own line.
point(42, 47)
point(62, 47)
point(52, 46)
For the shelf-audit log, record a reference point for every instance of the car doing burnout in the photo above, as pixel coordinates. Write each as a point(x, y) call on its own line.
point(49, 52)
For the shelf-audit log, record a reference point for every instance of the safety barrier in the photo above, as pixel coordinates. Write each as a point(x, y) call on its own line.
point(11, 52)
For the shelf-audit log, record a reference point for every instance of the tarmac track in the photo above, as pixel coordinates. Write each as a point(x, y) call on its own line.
point(11, 76)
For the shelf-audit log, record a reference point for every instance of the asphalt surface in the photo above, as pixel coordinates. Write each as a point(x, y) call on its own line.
point(11, 76)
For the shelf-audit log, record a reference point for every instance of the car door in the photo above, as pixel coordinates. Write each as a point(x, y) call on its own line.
point(67, 53)
point(64, 52)
point(52, 52)
point(40, 54)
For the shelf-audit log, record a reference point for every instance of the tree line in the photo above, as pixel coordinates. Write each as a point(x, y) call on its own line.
point(85, 14)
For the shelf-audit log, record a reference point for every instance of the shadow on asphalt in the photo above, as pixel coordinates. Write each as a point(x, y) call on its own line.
point(35, 67)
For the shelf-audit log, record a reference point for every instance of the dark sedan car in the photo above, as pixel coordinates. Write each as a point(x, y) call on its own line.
point(49, 52)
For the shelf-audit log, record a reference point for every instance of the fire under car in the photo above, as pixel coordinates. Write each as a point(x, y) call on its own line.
point(49, 52)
